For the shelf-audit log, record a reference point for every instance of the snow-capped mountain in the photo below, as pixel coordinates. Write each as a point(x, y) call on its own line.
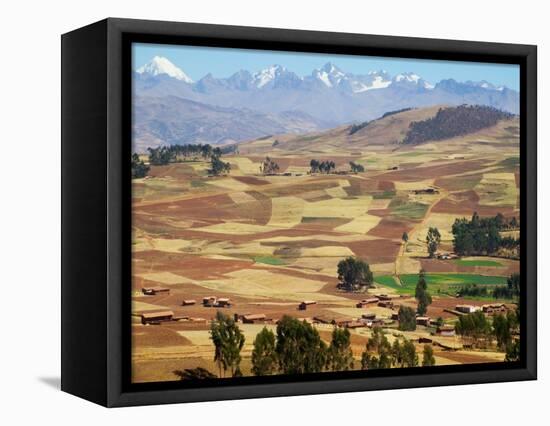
point(327, 97)
point(159, 65)
point(412, 79)
point(329, 75)
point(275, 76)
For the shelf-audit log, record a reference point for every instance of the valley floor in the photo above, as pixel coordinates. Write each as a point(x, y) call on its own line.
point(270, 242)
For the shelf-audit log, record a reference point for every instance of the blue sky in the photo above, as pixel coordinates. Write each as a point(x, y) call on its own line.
point(196, 62)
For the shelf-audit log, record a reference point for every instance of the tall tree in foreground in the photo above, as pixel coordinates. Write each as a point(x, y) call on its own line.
point(299, 347)
point(340, 356)
point(228, 341)
point(421, 294)
point(354, 274)
point(264, 356)
point(433, 239)
point(404, 353)
point(428, 358)
point(377, 344)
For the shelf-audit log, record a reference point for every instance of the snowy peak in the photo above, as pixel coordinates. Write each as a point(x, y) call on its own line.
point(330, 75)
point(267, 75)
point(411, 78)
point(484, 84)
point(372, 81)
point(159, 65)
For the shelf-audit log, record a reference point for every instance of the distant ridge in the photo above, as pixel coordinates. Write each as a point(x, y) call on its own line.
point(328, 97)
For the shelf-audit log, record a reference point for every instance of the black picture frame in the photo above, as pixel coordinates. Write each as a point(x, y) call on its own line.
point(96, 138)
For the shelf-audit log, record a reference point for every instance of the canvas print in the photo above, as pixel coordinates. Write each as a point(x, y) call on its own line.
point(297, 213)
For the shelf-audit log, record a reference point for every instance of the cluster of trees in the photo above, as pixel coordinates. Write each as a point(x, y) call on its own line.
point(321, 166)
point(481, 332)
point(269, 167)
point(163, 155)
point(295, 348)
point(354, 274)
point(218, 166)
point(481, 236)
point(356, 168)
point(475, 327)
point(139, 168)
point(455, 121)
point(354, 128)
point(379, 353)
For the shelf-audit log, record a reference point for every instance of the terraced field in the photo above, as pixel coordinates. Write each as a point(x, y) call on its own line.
point(269, 242)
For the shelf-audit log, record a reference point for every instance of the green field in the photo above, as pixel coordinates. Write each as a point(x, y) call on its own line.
point(404, 209)
point(269, 260)
point(463, 262)
point(437, 282)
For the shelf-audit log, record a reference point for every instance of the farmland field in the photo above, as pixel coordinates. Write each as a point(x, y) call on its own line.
point(268, 242)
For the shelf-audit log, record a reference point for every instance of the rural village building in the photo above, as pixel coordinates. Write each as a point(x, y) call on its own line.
point(446, 330)
point(494, 308)
point(151, 291)
point(342, 322)
point(355, 324)
point(367, 301)
point(303, 306)
point(368, 316)
point(255, 319)
point(156, 317)
point(209, 300)
point(423, 321)
point(188, 302)
point(223, 302)
point(323, 319)
point(467, 309)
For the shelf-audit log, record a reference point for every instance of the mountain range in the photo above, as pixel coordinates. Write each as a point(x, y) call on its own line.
point(169, 107)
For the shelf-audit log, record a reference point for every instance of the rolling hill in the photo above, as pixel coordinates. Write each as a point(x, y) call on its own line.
point(390, 132)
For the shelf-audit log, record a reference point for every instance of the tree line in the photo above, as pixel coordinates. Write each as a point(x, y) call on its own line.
point(354, 128)
point(379, 353)
point(479, 330)
point(317, 166)
point(296, 347)
point(454, 121)
point(508, 291)
point(481, 236)
point(163, 155)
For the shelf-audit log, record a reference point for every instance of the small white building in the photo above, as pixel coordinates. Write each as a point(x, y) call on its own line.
point(467, 309)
